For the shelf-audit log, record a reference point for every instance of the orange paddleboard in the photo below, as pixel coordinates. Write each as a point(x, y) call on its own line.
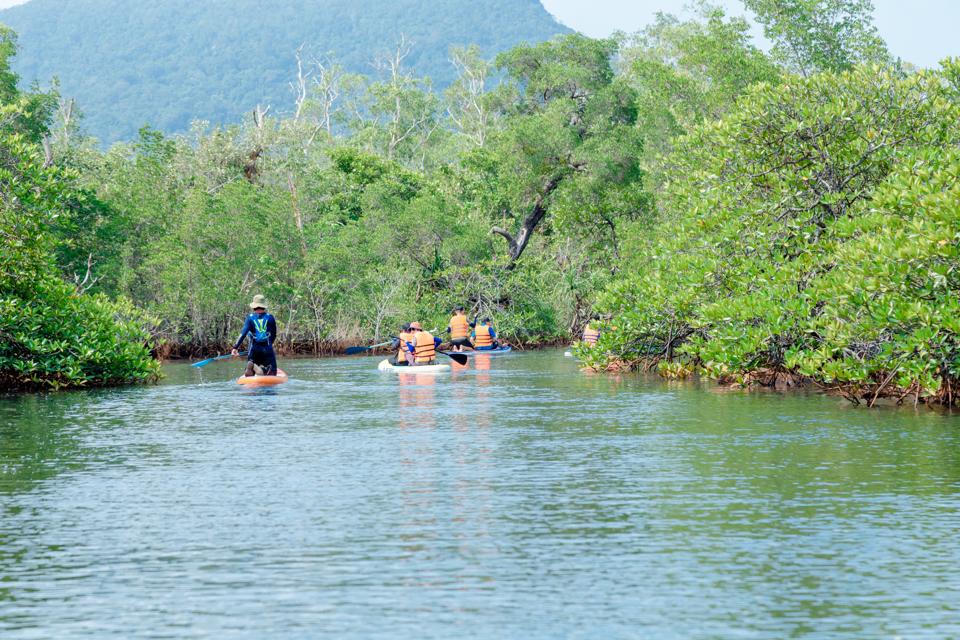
point(263, 381)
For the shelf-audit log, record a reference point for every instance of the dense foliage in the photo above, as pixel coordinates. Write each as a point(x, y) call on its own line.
point(808, 233)
point(758, 219)
point(820, 35)
point(350, 235)
point(171, 62)
point(51, 334)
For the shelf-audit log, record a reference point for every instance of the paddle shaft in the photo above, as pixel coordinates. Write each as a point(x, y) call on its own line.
point(204, 363)
point(352, 350)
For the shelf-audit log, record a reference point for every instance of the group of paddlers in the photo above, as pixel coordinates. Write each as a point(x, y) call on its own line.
point(414, 345)
point(418, 347)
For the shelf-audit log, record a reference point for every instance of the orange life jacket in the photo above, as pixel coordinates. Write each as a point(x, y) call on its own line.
point(404, 339)
point(483, 337)
point(459, 327)
point(591, 335)
point(424, 348)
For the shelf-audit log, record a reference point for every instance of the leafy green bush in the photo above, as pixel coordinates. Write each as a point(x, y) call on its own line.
point(766, 216)
point(50, 334)
point(891, 306)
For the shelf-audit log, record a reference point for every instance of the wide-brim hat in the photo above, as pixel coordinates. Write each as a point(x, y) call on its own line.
point(416, 325)
point(258, 302)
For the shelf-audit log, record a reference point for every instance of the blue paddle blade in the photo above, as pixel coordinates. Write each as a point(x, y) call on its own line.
point(203, 363)
point(354, 350)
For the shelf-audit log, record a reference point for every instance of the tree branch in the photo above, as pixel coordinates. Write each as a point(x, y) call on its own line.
point(519, 242)
point(47, 153)
point(506, 234)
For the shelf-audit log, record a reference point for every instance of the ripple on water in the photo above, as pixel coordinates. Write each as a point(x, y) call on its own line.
point(516, 498)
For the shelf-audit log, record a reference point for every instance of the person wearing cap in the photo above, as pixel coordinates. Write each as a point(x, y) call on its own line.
point(404, 356)
point(262, 329)
point(423, 345)
point(484, 337)
point(459, 329)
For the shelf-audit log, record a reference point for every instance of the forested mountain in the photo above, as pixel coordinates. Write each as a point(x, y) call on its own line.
point(169, 62)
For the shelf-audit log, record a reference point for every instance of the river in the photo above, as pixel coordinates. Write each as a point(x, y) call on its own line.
point(518, 498)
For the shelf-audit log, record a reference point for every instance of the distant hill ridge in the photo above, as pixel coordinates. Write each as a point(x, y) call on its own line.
point(168, 62)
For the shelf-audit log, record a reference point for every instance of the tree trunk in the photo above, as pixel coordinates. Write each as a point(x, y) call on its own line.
point(297, 215)
point(517, 243)
point(47, 152)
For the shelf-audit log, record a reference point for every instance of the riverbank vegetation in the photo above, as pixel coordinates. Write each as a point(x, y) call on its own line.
point(757, 218)
point(51, 335)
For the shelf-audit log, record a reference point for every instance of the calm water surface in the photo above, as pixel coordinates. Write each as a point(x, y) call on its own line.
point(517, 498)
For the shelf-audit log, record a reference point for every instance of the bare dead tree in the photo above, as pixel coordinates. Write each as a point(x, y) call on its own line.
point(89, 280)
point(394, 66)
point(327, 85)
point(316, 302)
point(47, 152)
point(404, 120)
point(385, 300)
point(297, 215)
point(392, 63)
point(300, 85)
point(66, 110)
point(260, 117)
point(468, 111)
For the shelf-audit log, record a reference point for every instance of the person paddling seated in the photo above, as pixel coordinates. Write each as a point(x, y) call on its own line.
point(485, 337)
point(591, 332)
point(459, 329)
point(423, 346)
point(262, 329)
point(403, 357)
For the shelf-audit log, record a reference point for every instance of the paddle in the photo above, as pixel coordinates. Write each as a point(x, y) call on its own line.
point(355, 350)
point(459, 358)
point(204, 363)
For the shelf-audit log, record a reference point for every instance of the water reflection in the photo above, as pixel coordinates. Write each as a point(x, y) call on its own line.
point(418, 401)
point(484, 400)
point(512, 498)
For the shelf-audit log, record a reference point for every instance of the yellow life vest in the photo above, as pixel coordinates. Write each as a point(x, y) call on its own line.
point(404, 339)
point(424, 348)
point(459, 327)
point(591, 335)
point(483, 337)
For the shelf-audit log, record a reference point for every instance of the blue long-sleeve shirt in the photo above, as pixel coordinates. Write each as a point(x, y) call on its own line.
point(262, 330)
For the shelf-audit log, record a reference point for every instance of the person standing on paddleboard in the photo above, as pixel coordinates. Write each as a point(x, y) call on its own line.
point(459, 329)
point(262, 329)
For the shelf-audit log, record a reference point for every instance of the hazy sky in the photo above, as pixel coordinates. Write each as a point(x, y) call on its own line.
point(920, 31)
